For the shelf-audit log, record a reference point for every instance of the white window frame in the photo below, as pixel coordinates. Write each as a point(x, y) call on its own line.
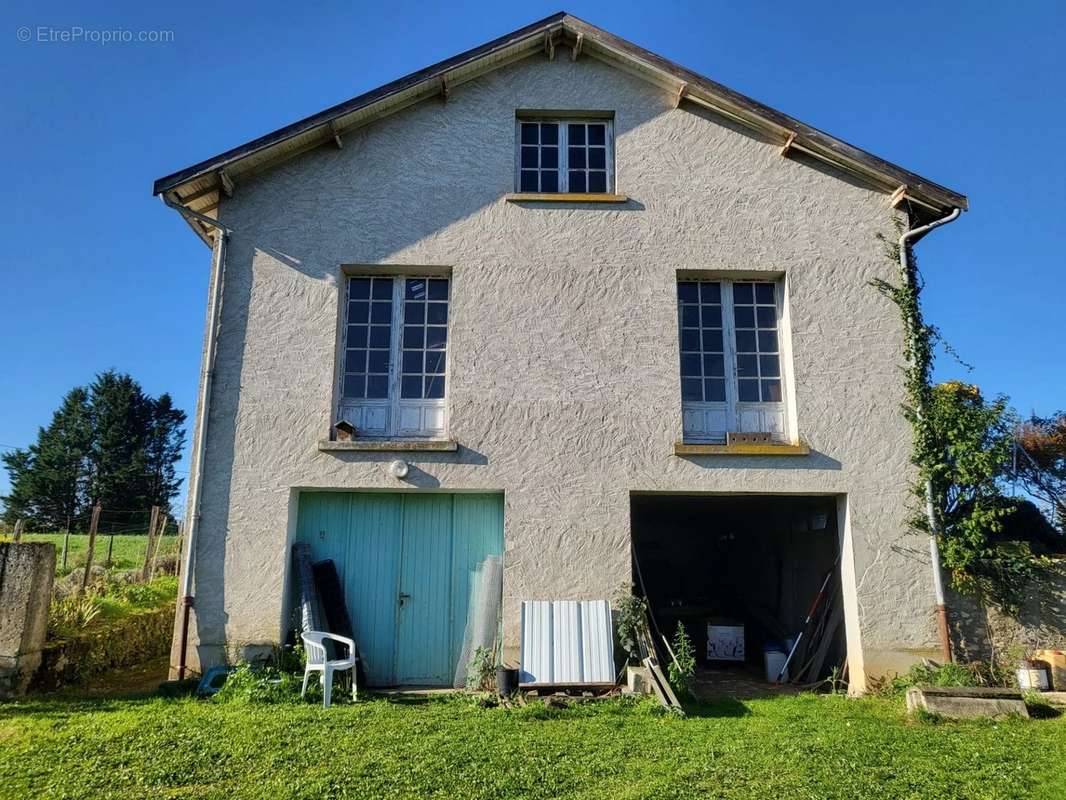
point(394, 417)
point(710, 422)
point(564, 150)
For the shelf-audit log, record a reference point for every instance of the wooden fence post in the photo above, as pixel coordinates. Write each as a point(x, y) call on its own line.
point(110, 547)
point(92, 544)
point(17, 533)
point(66, 544)
point(151, 538)
point(181, 544)
point(158, 541)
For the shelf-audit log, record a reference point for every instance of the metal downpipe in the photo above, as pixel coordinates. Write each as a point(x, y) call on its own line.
point(905, 242)
point(207, 370)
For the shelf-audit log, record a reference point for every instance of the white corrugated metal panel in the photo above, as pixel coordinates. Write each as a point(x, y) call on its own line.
point(566, 642)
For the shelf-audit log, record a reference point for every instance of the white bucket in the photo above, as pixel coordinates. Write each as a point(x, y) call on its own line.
point(774, 660)
point(1033, 678)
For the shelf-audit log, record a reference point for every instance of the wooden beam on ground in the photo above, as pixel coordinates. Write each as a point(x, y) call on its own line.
point(93, 525)
point(575, 51)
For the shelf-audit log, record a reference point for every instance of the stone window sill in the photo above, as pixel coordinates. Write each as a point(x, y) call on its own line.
point(693, 449)
point(564, 197)
point(390, 446)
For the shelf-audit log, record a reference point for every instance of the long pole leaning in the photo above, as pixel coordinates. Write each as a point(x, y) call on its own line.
point(905, 242)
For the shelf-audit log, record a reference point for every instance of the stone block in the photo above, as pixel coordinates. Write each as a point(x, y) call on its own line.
point(957, 702)
point(26, 574)
point(638, 680)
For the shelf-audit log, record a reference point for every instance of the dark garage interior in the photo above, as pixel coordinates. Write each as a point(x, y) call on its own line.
point(741, 572)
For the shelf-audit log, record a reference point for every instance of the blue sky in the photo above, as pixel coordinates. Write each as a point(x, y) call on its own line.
point(98, 274)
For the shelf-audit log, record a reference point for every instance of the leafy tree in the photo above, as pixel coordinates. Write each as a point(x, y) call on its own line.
point(1041, 464)
point(971, 442)
point(961, 449)
point(109, 443)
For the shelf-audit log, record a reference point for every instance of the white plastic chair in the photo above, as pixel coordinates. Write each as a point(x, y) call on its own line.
point(317, 661)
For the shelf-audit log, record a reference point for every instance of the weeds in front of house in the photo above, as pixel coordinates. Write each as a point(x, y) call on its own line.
point(72, 614)
point(265, 685)
point(927, 673)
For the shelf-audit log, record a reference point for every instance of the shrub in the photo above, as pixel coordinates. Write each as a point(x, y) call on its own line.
point(681, 670)
point(481, 673)
point(632, 615)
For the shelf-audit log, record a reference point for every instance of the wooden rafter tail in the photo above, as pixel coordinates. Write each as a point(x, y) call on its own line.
point(786, 148)
point(680, 94)
point(336, 134)
point(549, 45)
point(227, 183)
point(898, 197)
point(575, 51)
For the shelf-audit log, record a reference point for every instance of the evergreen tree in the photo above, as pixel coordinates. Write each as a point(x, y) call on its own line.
point(60, 461)
point(121, 414)
point(18, 504)
point(164, 441)
point(48, 479)
point(110, 444)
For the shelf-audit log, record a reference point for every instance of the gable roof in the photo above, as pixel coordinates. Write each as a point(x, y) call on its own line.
point(200, 186)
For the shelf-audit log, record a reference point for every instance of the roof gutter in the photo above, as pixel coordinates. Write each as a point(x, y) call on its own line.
point(908, 239)
point(207, 370)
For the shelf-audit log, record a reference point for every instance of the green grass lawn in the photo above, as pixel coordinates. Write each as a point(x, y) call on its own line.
point(127, 551)
point(805, 746)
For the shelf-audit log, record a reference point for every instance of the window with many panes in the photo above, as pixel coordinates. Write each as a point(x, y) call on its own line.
point(573, 156)
point(393, 376)
point(730, 353)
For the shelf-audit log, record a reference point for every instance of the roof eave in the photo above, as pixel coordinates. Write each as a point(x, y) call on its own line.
point(321, 127)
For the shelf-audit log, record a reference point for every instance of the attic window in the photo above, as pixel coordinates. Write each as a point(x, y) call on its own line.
point(565, 156)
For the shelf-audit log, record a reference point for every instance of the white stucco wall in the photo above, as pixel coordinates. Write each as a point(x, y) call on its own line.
point(563, 383)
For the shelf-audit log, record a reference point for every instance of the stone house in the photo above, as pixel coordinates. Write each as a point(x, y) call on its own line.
point(609, 316)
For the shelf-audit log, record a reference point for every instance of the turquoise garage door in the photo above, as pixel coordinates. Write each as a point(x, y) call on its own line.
point(406, 563)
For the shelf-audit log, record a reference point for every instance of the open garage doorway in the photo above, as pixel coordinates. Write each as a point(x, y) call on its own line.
point(741, 574)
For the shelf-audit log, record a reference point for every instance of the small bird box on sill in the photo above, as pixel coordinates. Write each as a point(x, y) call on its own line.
point(344, 430)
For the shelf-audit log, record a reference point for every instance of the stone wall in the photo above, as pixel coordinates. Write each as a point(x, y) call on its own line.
point(131, 640)
point(26, 573)
point(984, 633)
